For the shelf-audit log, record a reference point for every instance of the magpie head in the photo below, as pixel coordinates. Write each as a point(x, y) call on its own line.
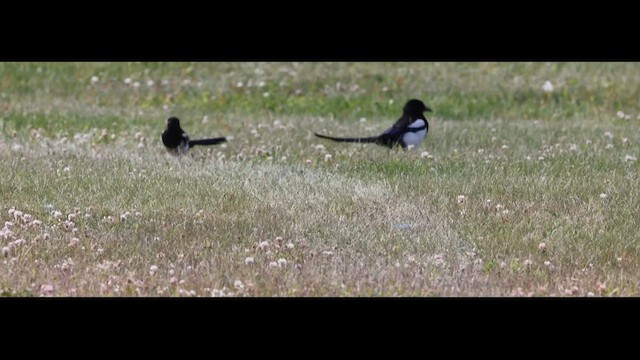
point(173, 123)
point(415, 107)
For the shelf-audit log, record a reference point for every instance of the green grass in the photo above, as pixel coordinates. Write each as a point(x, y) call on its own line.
point(267, 215)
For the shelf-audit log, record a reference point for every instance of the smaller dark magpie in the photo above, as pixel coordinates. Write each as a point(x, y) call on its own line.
point(410, 129)
point(177, 140)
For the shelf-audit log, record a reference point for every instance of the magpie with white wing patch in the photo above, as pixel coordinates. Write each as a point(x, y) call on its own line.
point(177, 140)
point(409, 130)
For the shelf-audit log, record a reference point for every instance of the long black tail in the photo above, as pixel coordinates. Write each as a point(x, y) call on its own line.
point(213, 141)
point(372, 139)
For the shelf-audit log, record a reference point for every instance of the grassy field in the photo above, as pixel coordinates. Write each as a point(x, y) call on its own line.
point(520, 189)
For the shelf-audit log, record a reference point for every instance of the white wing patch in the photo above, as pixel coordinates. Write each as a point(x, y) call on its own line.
point(417, 123)
point(185, 143)
point(415, 138)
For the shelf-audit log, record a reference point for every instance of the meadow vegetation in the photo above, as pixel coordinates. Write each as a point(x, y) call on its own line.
point(526, 185)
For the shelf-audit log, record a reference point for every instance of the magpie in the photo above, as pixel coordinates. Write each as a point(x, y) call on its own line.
point(410, 129)
point(177, 140)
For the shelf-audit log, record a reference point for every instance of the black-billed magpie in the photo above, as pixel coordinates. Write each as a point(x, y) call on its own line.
point(177, 140)
point(410, 129)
